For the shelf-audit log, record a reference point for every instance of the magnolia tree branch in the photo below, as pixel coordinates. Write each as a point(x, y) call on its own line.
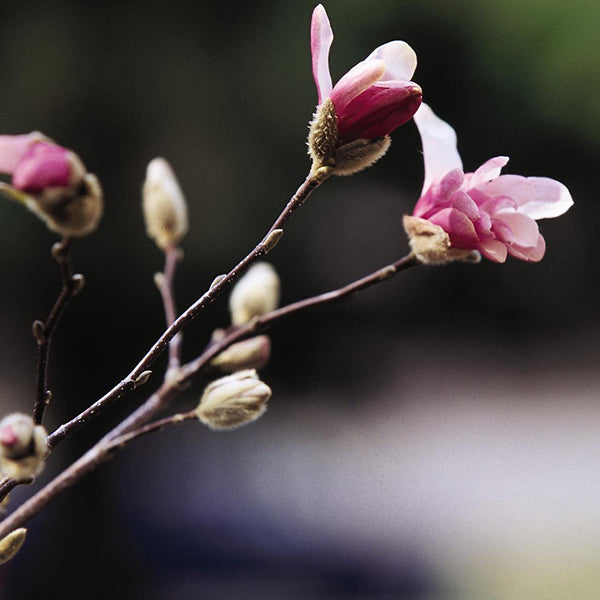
point(43, 331)
point(164, 282)
point(135, 428)
point(140, 374)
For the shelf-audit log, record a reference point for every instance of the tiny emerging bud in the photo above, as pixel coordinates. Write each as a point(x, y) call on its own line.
point(52, 182)
point(255, 294)
point(252, 353)
point(165, 209)
point(11, 544)
point(23, 446)
point(233, 401)
point(430, 244)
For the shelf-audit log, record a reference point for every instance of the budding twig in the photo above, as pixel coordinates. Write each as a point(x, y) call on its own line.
point(217, 287)
point(135, 425)
point(43, 331)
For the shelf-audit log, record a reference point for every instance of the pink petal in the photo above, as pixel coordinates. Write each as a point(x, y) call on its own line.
point(494, 250)
point(438, 195)
point(12, 149)
point(399, 58)
point(552, 199)
point(532, 254)
point(524, 228)
point(321, 37)
point(440, 153)
point(458, 226)
point(488, 171)
point(358, 79)
point(379, 110)
point(44, 165)
point(465, 203)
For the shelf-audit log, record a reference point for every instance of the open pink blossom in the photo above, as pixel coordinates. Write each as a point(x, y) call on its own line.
point(376, 95)
point(485, 211)
point(35, 163)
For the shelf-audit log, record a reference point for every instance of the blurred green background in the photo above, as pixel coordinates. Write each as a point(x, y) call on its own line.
point(434, 438)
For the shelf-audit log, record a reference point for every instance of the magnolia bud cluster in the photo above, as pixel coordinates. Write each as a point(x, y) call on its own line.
point(241, 397)
point(23, 446)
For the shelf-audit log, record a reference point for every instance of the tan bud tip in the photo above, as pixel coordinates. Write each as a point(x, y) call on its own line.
point(23, 446)
point(164, 206)
point(141, 379)
point(233, 401)
point(39, 332)
point(216, 281)
point(78, 283)
point(253, 353)
point(255, 294)
point(11, 544)
point(272, 240)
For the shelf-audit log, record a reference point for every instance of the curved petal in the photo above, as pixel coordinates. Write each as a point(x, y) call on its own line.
point(379, 110)
point(321, 37)
point(440, 153)
point(532, 254)
point(494, 250)
point(488, 171)
point(12, 149)
point(524, 229)
point(400, 60)
point(458, 226)
point(438, 195)
point(358, 79)
point(552, 199)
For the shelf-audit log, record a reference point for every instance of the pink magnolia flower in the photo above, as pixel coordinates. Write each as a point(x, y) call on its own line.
point(376, 95)
point(485, 211)
point(34, 163)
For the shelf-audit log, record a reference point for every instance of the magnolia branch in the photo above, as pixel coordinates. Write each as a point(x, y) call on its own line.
point(43, 331)
point(140, 374)
point(134, 427)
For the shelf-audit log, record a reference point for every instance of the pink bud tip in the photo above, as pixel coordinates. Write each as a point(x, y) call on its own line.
point(8, 437)
point(44, 165)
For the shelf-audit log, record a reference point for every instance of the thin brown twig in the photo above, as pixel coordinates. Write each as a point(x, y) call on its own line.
point(136, 376)
point(43, 331)
point(170, 388)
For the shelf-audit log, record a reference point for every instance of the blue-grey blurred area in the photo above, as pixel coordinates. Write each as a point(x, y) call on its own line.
point(436, 437)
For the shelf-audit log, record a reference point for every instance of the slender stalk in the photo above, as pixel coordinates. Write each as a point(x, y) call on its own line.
point(218, 286)
point(170, 388)
point(43, 331)
point(164, 282)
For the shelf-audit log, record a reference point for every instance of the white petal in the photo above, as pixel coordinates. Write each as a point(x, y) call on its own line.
point(321, 37)
point(552, 199)
point(440, 153)
point(400, 60)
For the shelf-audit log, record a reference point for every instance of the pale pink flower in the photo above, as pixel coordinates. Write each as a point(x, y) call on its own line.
point(485, 211)
point(376, 95)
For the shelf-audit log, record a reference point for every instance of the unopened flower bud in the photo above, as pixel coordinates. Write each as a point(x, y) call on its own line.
point(430, 244)
point(233, 401)
point(165, 209)
point(11, 544)
point(252, 353)
point(255, 294)
point(52, 182)
point(23, 446)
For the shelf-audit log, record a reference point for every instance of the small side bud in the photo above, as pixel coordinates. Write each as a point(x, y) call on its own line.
point(216, 280)
point(165, 209)
point(11, 544)
point(23, 446)
point(253, 353)
point(78, 282)
point(255, 294)
point(272, 240)
point(141, 379)
point(233, 401)
point(39, 332)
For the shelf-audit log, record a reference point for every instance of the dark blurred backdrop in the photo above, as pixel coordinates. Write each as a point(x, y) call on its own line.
point(434, 438)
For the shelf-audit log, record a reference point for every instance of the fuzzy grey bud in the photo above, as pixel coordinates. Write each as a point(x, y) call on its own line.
point(233, 401)
point(165, 209)
point(252, 353)
point(23, 446)
point(255, 294)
